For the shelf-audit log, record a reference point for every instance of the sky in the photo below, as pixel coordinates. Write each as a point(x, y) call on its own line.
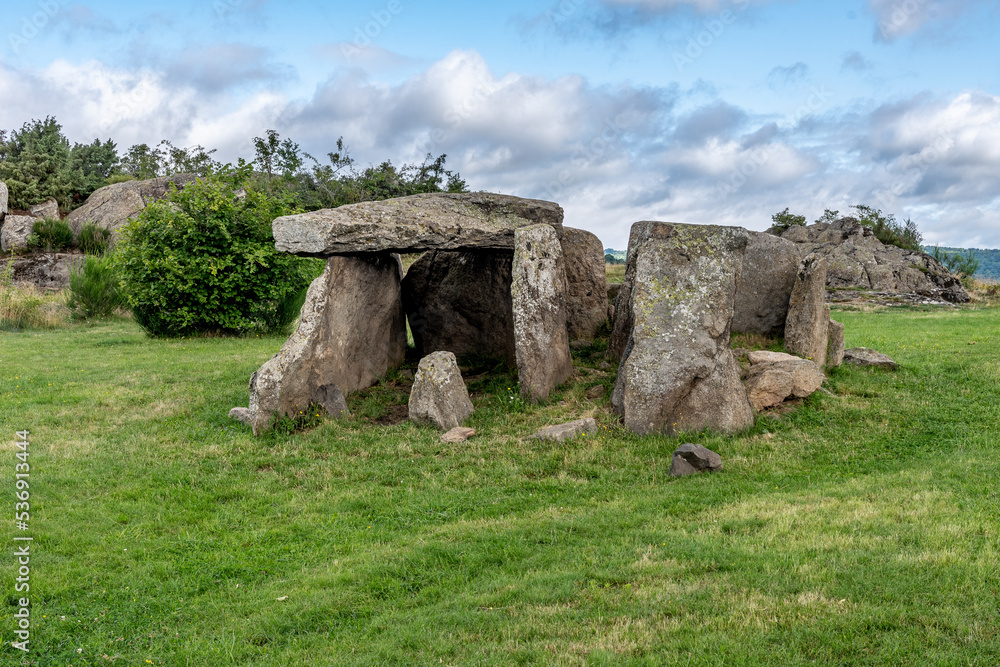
point(700, 111)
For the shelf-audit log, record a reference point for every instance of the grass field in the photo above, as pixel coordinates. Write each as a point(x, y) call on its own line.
point(856, 529)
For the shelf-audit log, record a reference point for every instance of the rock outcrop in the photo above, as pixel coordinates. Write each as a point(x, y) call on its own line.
point(438, 221)
point(111, 207)
point(674, 313)
point(47, 209)
point(49, 271)
point(770, 265)
point(15, 232)
point(856, 258)
point(460, 301)
point(586, 283)
point(439, 396)
point(351, 332)
point(541, 340)
point(807, 327)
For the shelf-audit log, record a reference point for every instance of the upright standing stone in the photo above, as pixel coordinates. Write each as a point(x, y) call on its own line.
point(678, 372)
point(587, 283)
point(439, 395)
point(351, 331)
point(3, 200)
point(770, 265)
point(541, 341)
point(807, 328)
point(460, 301)
point(835, 348)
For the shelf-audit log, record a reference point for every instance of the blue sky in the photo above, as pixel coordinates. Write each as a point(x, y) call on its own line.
point(705, 111)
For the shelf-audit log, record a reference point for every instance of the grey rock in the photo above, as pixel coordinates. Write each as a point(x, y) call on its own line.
point(835, 346)
point(568, 431)
point(112, 206)
point(49, 271)
point(439, 396)
point(807, 328)
point(15, 232)
point(856, 258)
point(47, 209)
point(242, 415)
point(586, 283)
point(770, 266)
point(689, 459)
point(333, 401)
point(768, 357)
point(458, 434)
point(541, 340)
point(581, 344)
point(460, 301)
point(437, 221)
point(351, 332)
point(674, 313)
point(4, 198)
point(863, 356)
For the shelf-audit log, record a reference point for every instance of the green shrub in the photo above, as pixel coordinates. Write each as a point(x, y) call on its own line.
point(203, 260)
point(50, 235)
point(93, 240)
point(784, 220)
point(963, 266)
point(888, 230)
point(94, 288)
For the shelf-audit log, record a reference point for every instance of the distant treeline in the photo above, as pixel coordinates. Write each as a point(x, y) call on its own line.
point(989, 260)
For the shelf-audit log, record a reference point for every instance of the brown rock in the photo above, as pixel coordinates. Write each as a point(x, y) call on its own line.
point(689, 459)
point(835, 345)
point(807, 328)
point(770, 266)
point(586, 283)
point(458, 434)
point(568, 431)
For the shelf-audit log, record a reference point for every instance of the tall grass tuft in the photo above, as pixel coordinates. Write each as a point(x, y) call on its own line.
point(94, 289)
point(50, 235)
point(93, 240)
point(28, 307)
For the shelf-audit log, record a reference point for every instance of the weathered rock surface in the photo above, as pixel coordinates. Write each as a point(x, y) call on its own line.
point(4, 198)
point(351, 331)
point(541, 340)
point(856, 258)
point(674, 312)
point(776, 377)
point(439, 396)
point(458, 434)
point(437, 221)
point(807, 328)
point(49, 271)
point(460, 301)
point(111, 207)
point(770, 265)
point(835, 347)
point(15, 232)
point(47, 209)
point(568, 431)
point(242, 415)
point(863, 356)
point(587, 286)
point(689, 459)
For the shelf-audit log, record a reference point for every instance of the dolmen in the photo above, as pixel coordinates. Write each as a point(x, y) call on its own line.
point(499, 276)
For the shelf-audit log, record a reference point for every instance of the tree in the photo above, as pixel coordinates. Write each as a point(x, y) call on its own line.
point(963, 266)
point(828, 216)
point(90, 165)
point(784, 220)
point(142, 162)
point(887, 230)
point(203, 260)
point(35, 164)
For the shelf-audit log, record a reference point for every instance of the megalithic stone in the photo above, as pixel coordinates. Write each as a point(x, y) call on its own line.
point(807, 328)
point(351, 332)
point(541, 341)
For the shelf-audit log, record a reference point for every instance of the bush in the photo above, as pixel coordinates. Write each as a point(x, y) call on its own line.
point(887, 230)
point(963, 266)
point(50, 235)
point(203, 260)
point(93, 240)
point(94, 288)
point(785, 220)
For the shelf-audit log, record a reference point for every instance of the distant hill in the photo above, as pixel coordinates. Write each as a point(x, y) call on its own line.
point(989, 260)
point(618, 254)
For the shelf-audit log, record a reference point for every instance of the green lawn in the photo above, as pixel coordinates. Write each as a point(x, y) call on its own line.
point(857, 529)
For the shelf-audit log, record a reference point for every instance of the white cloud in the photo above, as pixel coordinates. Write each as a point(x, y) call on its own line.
point(901, 18)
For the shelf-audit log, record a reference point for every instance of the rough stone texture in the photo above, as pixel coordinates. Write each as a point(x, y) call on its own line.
point(541, 340)
point(4, 198)
point(674, 312)
point(768, 357)
point(856, 258)
point(242, 415)
point(15, 232)
point(772, 381)
point(460, 301)
point(47, 209)
point(110, 207)
point(586, 283)
point(807, 329)
point(438, 221)
point(613, 290)
point(689, 459)
point(49, 271)
point(458, 434)
point(863, 356)
point(351, 331)
point(568, 431)
point(770, 265)
point(835, 346)
point(439, 396)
